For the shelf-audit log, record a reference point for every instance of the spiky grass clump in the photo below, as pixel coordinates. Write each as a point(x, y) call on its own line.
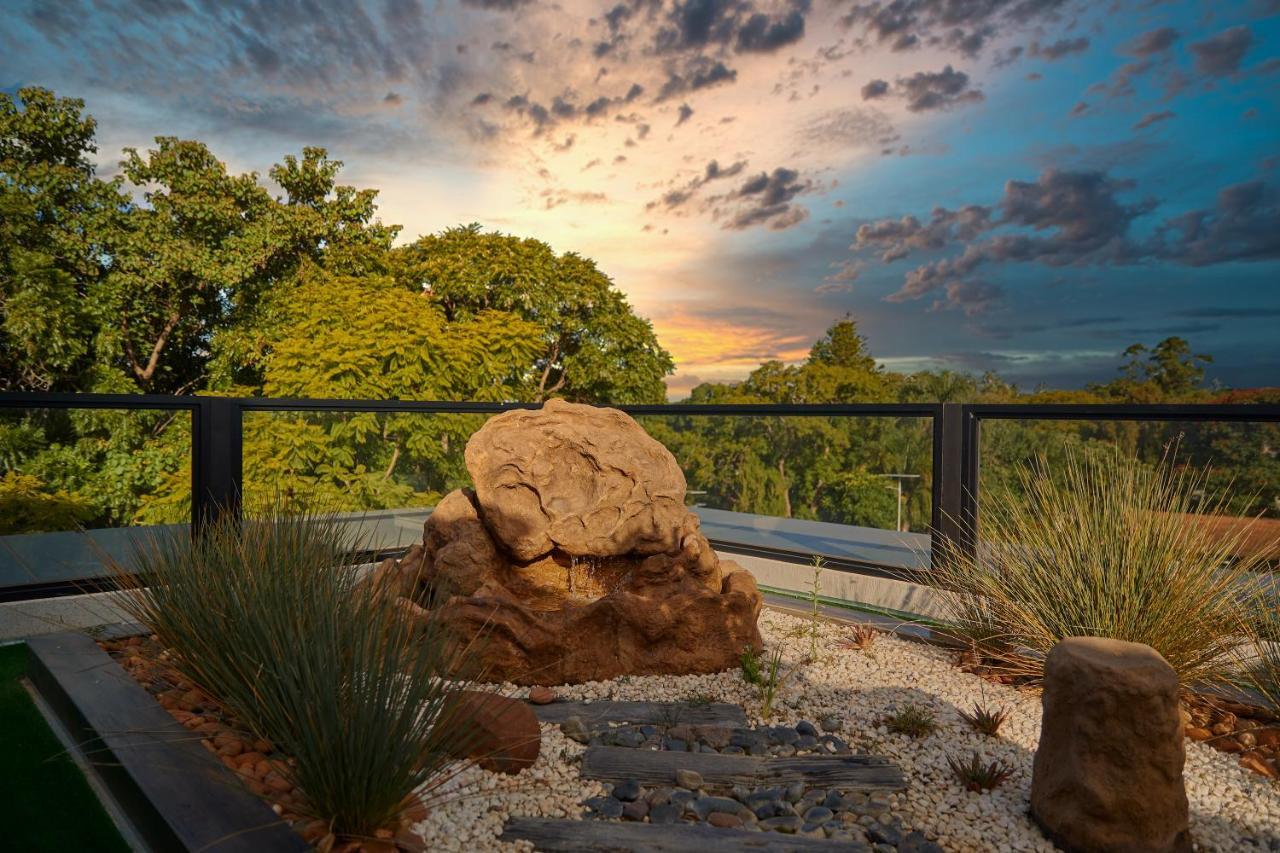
point(860, 638)
point(270, 619)
point(1107, 548)
point(977, 776)
point(986, 719)
point(1261, 657)
point(912, 720)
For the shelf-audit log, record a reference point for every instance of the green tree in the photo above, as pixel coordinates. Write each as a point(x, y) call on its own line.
point(595, 348)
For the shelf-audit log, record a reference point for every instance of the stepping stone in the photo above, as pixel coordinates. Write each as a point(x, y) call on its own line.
point(640, 713)
point(591, 836)
point(846, 772)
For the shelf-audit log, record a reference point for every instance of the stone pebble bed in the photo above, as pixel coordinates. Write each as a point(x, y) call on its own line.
point(852, 691)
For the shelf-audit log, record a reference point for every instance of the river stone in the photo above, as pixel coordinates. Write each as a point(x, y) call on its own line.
point(1107, 775)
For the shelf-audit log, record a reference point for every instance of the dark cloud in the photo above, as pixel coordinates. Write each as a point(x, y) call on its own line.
point(694, 25)
point(875, 89)
point(700, 72)
point(1152, 41)
point(937, 90)
point(1059, 48)
point(765, 199)
point(497, 5)
point(685, 113)
point(713, 172)
point(1221, 55)
point(971, 297)
point(393, 99)
point(1214, 312)
point(964, 26)
point(1069, 218)
point(1244, 225)
point(557, 198)
point(1154, 118)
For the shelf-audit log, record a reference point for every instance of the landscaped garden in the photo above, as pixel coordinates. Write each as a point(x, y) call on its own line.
point(565, 663)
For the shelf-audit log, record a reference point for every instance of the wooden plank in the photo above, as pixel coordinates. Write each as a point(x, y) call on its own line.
point(641, 713)
point(654, 767)
point(593, 836)
point(173, 790)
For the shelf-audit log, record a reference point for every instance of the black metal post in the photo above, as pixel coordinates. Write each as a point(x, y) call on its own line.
point(948, 481)
point(217, 475)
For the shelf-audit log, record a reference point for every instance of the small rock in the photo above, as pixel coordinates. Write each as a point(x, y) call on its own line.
point(610, 807)
point(636, 810)
point(789, 824)
point(673, 744)
point(818, 814)
point(690, 779)
point(1247, 739)
point(542, 695)
point(783, 734)
point(831, 723)
point(794, 792)
point(627, 790)
point(724, 821)
point(680, 796)
point(704, 807)
point(884, 833)
point(804, 727)
point(576, 730)
point(658, 797)
point(806, 742)
point(915, 842)
point(1197, 733)
point(665, 814)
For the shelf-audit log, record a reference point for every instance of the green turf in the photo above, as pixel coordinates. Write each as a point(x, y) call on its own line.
point(45, 802)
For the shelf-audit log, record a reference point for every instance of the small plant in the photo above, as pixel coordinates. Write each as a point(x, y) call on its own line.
point(750, 666)
point(912, 720)
point(815, 602)
point(770, 682)
point(985, 719)
point(977, 776)
point(860, 638)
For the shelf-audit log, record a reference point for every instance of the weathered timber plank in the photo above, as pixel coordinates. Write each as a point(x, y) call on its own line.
point(593, 836)
point(640, 713)
point(852, 772)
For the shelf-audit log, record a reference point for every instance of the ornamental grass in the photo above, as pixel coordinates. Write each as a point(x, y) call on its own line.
point(1103, 545)
point(270, 618)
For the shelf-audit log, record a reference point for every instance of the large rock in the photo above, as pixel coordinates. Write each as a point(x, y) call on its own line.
point(575, 558)
point(583, 480)
point(499, 733)
point(1107, 775)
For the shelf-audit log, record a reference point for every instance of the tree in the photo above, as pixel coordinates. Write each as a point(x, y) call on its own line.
point(54, 218)
point(595, 348)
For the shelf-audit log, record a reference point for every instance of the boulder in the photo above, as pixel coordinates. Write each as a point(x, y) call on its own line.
point(575, 558)
point(584, 480)
point(501, 734)
point(1107, 775)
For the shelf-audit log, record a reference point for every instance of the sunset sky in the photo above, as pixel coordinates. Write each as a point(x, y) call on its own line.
point(1026, 187)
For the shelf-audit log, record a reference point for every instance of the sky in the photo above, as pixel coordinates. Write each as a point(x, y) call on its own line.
point(1023, 186)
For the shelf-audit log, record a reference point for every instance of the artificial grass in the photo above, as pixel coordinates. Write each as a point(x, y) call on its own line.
point(45, 802)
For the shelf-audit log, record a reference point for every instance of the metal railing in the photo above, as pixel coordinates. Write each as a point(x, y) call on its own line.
point(217, 446)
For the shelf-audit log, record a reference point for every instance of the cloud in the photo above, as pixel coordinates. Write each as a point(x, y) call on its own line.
point(1067, 218)
point(679, 196)
point(762, 34)
point(971, 297)
point(937, 90)
point(1244, 225)
point(1059, 49)
point(963, 27)
point(700, 72)
point(1153, 41)
point(1154, 118)
point(1221, 55)
point(698, 24)
point(765, 199)
point(875, 89)
point(850, 128)
point(497, 5)
point(685, 113)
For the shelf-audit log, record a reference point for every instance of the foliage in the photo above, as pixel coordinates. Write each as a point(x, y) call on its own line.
point(750, 663)
point(912, 720)
point(1260, 657)
point(266, 619)
point(985, 719)
point(977, 776)
point(815, 606)
point(27, 506)
point(770, 680)
point(860, 638)
point(1105, 549)
point(593, 347)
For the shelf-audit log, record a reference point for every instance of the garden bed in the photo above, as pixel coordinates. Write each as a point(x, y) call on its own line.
point(1232, 809)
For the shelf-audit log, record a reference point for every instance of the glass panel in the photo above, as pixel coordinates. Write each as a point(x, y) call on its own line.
point(108, 472)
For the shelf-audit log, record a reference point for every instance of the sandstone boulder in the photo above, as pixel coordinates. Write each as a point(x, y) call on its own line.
point(584, 480)
point(1107, 776)
point(502, 734)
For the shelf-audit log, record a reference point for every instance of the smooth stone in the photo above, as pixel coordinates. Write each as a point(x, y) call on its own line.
point(659, 796)
point(627, 790)
point(724, 821)
point(788, 824)
point(783, 734)
point(915, 842)
point(631, 739)
point(784, 751)
point(794, 792)
point(648, 731)
point(831, 724)
point(733, 750)
point(674, 744)
point(704, 806)
point(665, 813)
point(818, 814)
point(636, 810)
point(804, 727)
point(609, 807)
point(576, 730)
point(758, 749)
point(680, 796)
point(740, 792)
point(690, 779)
point(884, 833)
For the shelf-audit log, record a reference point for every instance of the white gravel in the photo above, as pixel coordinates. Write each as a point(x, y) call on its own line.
point(1231, 808)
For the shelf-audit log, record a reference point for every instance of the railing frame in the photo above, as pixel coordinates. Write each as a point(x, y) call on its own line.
point(217, 429)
